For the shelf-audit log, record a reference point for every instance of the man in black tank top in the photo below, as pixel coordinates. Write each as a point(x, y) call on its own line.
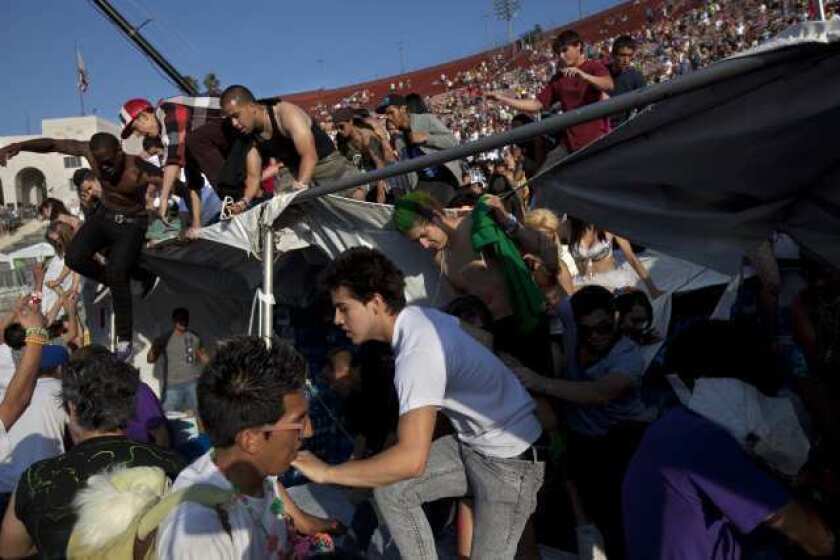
point(285, 132)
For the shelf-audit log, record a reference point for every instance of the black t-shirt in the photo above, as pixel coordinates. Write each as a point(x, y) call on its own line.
point(629, 80)
point(45, 492)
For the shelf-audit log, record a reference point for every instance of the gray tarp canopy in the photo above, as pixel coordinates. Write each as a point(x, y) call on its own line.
point(709, 174)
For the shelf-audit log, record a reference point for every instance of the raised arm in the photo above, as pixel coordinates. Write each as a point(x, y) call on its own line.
point(525, 105)
point(45, 146)
point(22, 385)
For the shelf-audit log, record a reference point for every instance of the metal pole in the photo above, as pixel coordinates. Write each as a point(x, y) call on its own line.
point(82, 100)
point(145, 46)
point(821, 4)
point(631, 100)
point(267, 301)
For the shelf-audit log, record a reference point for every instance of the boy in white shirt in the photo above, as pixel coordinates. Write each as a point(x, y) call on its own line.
point(439, 367)
point(252, 404)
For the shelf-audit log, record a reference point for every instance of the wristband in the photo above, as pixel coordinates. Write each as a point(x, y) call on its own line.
point(37, 331)
point(34, 339)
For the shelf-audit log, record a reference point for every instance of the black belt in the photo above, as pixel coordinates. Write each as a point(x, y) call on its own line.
point(538, 451)
point(124, 218)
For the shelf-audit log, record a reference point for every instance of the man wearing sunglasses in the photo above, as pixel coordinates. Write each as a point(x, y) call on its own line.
point(252, 405)
point(493, 455)
point(580, 81)
point(600, 389)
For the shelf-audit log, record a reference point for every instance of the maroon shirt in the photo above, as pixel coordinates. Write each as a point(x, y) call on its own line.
point(573, 93)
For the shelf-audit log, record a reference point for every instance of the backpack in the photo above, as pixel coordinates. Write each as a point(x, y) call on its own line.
point(119, 512)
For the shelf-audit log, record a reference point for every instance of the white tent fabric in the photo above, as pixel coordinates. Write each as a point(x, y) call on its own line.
point(335, 224)
point(40, 251)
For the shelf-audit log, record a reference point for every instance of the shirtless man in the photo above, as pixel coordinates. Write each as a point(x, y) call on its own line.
point(357, 138)
point(285, 132)
point(119, 224)
point(422, 219)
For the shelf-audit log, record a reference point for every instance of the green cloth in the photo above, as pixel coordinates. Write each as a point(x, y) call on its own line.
point(158, 231)
point(523, 293)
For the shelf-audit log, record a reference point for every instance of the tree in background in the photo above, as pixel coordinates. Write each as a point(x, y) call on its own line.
point(212, 84)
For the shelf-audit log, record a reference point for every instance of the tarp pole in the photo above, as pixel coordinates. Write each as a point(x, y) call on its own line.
point(267, 299)
point(699, 79)
point(112, 319)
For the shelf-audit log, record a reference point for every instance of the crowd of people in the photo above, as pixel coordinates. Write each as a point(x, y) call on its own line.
point(522, 413)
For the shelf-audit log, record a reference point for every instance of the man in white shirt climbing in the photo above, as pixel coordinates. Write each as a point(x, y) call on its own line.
point(439, 367)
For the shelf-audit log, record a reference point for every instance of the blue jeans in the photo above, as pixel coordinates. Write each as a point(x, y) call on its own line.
point(504, 493)
point(180, 397)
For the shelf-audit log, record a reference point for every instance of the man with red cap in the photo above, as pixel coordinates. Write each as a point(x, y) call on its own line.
point(196, 139)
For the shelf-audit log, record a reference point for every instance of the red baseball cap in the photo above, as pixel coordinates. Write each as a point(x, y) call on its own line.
point(129, 112)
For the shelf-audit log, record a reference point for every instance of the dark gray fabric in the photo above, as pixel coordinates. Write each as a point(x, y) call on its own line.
point(708, 175)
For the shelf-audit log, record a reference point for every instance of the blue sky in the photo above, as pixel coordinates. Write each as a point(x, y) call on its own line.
point(273, 46)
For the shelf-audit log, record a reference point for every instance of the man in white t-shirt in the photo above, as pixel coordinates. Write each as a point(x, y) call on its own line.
point(39, 432)
point(252, 405)
point(439, 367)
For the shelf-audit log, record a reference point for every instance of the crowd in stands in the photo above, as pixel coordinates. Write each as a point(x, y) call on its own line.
point(542, 405)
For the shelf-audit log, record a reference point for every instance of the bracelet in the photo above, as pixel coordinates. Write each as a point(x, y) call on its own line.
point(38, 340)
point(511, 225)
point(37, 331)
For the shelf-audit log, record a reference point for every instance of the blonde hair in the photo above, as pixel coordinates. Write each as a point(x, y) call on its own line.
point(542, 218)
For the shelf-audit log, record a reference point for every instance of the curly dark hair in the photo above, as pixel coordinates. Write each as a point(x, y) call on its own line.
point(366, 272)
point(623, 42)
point(590, 299)
point(102, 389)
point(244, 384)
point(15, 336)
point(625, 303)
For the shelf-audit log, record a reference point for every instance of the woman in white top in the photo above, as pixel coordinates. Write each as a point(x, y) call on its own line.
point(592, 249)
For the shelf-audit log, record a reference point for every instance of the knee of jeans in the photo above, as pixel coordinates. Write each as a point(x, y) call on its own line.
point(389, 496)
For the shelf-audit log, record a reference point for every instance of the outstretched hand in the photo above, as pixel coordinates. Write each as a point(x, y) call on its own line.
point(311, 466)
point(8, 153)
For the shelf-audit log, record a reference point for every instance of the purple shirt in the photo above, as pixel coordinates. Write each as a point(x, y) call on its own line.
point(692, 492)
point(148, 415)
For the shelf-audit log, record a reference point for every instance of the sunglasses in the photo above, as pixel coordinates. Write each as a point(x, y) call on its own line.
point(280, 426)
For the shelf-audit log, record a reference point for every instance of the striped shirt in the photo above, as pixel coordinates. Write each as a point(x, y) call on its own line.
point(179, 116)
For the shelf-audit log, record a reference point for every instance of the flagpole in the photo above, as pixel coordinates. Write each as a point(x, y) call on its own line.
point(82, 78)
